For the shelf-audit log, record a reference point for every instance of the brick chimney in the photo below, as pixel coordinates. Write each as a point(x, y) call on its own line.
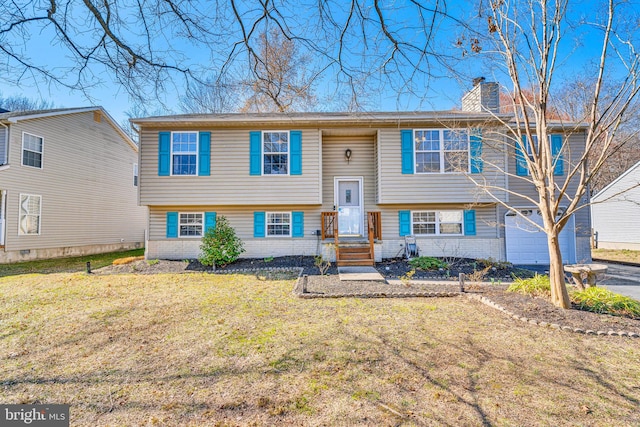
point(483, 97)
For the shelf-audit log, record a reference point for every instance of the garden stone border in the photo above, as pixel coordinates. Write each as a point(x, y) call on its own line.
point(299, 291)
point(556, 326)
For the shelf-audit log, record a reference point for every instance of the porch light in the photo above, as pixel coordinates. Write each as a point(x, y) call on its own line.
point(347, 154)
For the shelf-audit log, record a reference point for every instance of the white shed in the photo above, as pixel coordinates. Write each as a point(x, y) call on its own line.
point(615, 212)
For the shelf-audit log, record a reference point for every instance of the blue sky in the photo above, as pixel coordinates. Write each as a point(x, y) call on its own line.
point(441, 92)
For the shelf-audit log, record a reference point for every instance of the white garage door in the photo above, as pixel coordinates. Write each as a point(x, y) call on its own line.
point(526, 244)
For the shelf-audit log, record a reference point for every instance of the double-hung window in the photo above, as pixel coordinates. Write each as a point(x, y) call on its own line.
point(32, 147)
point(441, 150)
point(275, 149)
point(445, 223)
point(191, 224)
point(184, 153)
point(278, 224)
point(30, 211)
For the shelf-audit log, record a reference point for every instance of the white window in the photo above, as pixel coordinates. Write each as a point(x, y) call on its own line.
point(445, 223)
point(135, 174)
point(275, 153)
point(30, 210)
point(278, 224)
point(32, 147)
point(441, 150)
point(184, 153)
point(191, 224)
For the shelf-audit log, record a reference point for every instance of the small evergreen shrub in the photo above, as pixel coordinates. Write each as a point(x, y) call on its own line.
point(601, 300)
point(220, 245)
point(538, 285)
point(427, 263)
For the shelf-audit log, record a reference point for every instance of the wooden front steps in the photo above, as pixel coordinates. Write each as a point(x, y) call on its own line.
point(354, 254)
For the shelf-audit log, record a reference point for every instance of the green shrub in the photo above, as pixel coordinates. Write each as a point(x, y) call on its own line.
point(427, 263)
point(220, 245)
point(601, 300)
point(538, 285)
point(494, 263)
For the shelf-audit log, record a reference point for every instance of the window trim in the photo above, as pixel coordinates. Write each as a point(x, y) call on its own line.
point(136, 174)
point(262, 153)
point(437, 223)
point(23, 149)
point(277, 236)
point(39, 215)
point(196, 153)
point(202, 224)
point(441, 150)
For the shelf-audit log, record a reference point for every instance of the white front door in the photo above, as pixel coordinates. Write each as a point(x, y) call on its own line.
point(349, 206)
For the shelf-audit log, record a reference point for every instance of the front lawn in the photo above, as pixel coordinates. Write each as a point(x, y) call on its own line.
point(623, 255)
point(203, 349)
point(70, 264)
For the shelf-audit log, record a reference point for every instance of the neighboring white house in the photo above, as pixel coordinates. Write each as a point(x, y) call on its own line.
point(615, 212)
point(68, 185)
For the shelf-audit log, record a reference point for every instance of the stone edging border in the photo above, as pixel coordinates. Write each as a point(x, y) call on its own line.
point(298, 291)
point(492, 304)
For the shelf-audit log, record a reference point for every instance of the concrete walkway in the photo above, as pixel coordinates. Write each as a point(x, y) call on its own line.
point(360, 274)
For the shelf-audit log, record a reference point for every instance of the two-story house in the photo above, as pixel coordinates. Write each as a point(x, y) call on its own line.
point(68, 185)
point(321, 183)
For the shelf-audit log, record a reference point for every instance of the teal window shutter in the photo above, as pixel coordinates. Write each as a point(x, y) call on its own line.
point(164, 153)
point(204, 154)
point(470, 223)
point(255, 153)
point(209, 221)
point(475, 148)
point(172, 224)
point(521, 162)
point(258, 224)
point(297, 224)
point(406, 143)
point(405, 222)
point(295, 152)
point(556, 151)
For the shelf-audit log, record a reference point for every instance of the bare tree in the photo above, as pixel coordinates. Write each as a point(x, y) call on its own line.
point(214, 95)
point(22, 103)
point(280, 80)
point(528, 38)
point(149, 48)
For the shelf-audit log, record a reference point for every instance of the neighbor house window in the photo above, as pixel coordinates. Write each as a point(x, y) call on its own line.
point(191, 224)
point(437, 222)
point(32, 147)
point(184, 153)
point(30, 211)
point(135, 174)
point(275, 149)
point(441, 150)
point(279, 224)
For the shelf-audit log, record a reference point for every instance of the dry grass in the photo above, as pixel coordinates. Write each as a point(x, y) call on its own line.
point(127, 260)
point(199, 349)
point(624, 255)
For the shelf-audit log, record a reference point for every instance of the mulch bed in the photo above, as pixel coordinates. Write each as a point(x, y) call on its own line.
point(422, 281)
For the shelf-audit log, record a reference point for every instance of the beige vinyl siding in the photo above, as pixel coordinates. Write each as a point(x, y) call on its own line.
point(86, 184)
point(485, 219)
point(396, 187)
point(229, 181)
point(523, 185)
point(362, 164)
point(239, 217)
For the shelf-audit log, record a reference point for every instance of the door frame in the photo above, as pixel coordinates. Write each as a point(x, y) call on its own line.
point(336, 195)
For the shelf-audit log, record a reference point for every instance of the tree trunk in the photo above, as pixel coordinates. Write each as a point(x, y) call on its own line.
point(559, 294)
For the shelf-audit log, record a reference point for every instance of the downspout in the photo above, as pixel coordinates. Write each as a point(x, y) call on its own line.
point(5, 156)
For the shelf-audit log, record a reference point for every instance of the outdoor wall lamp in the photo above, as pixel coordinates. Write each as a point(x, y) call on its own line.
point(347, 154)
